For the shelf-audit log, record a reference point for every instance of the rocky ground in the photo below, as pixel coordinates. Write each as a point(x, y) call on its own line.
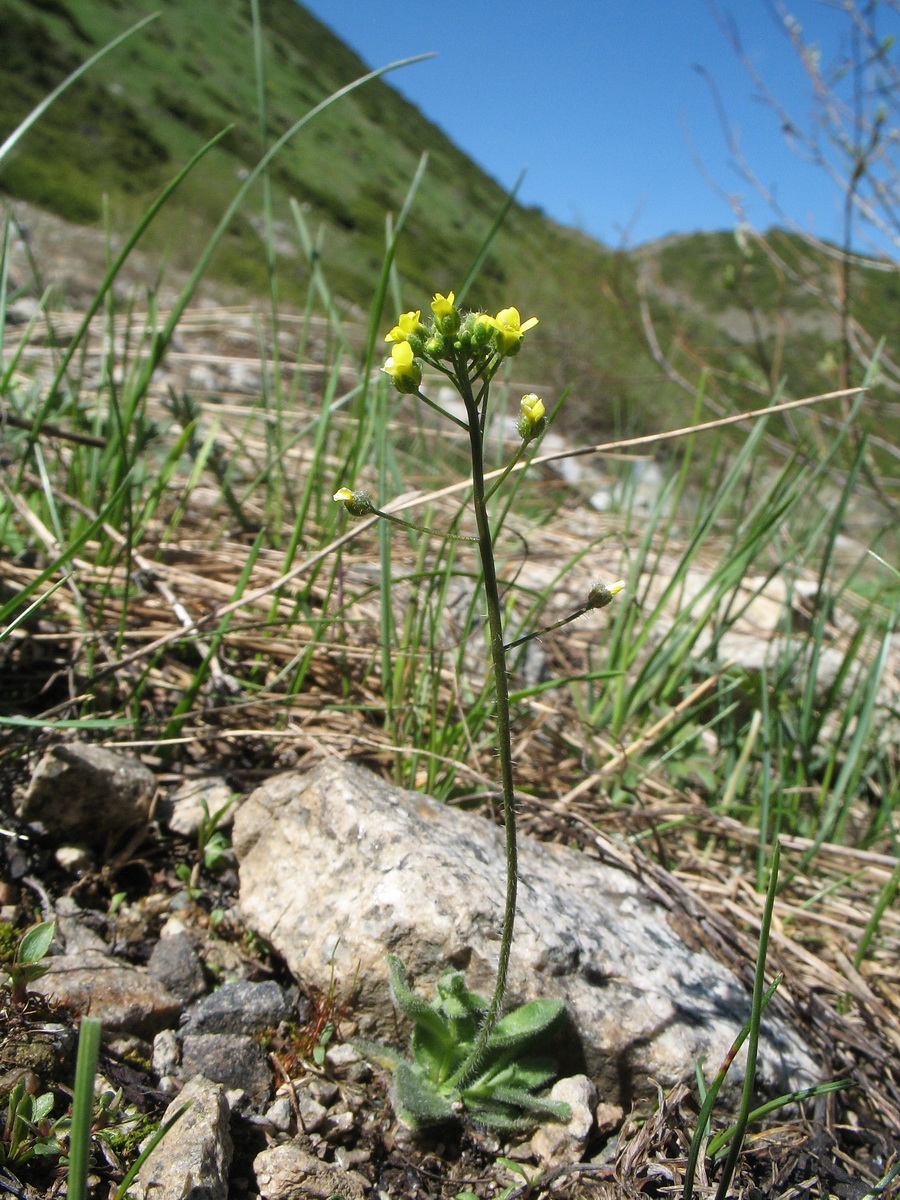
point(157, 935)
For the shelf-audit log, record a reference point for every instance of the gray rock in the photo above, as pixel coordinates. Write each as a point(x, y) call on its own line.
point(232, 1059)
point(183, 811)
point(124, 997)
point(73, 931)
point(193, 1159)
point(176, 964)
point(338, 869)
point(83, 792)
point(239, 1006)
point(166, 1053)
point(288, 1172)
point(312, 1114)
point(558, 1142)
point(280, 1114)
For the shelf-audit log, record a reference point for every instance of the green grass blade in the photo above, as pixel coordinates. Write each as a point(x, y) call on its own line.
point(753, 1033)
point(709, 1095)
point(122, 1190)
point(83, 1108)
point(820, 1089)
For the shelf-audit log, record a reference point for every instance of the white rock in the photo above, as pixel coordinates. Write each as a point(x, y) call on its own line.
point(193, 1159)
point(558, 1142)
point(338, 869)
point(288, 1172)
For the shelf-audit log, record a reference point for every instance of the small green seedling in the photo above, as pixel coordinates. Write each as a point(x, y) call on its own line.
point(439, 1082)
point(213, 848)
point(28, 961)
point(321, 1046)
point(212, 843)
point(27, 1130)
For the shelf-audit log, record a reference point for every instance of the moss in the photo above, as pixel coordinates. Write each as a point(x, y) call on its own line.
point(9, 940)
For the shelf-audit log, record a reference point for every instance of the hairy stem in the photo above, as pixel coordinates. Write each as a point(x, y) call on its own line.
point(504, 738)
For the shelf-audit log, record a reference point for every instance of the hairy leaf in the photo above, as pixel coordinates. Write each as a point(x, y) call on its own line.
point(376, 1052)
point(527, 1022)
point(414, 1006)
point(416, 1100)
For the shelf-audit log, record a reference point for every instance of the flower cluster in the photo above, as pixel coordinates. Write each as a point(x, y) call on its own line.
point(474, 342)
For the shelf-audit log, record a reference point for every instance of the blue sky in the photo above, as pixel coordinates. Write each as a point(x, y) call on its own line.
point(601, 102)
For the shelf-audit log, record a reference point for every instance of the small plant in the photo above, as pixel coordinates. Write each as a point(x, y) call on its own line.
point(466, 1059)
point(433, 1086)
point(212, 848)
point(27, 1130)
point(28, 961)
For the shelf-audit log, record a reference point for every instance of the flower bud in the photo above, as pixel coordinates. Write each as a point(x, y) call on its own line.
point(600, 595)
point(533, 421)
point(481, 329)
point(403, 369)
point(357, 504)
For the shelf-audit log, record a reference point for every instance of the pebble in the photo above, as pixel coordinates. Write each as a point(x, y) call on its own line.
point(280, 1114)
point(239, 1006)
point(176, 964)
point(231, 1059)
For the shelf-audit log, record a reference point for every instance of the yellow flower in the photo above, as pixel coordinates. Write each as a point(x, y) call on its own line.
point(446, 316)
point(442, 306)
point(533, 421)
point(358, 504)
point(403, 368)
point(510, 329)
point(532, 407)
point(408, 323)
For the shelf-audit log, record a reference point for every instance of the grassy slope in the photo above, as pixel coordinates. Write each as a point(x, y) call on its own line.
point(130, 125)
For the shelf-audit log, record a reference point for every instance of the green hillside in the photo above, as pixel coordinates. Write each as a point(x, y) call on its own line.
point(125, 130)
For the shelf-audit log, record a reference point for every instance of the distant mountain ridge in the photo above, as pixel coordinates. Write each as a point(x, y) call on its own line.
point(135, 119)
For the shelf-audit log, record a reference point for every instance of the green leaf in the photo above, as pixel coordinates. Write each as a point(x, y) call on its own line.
point(436, 1057)
point(416, 1100)
point(377, 1052)
point(43, 1106)
point(36, 942)
point(455, 998)
point(529, 1073)
point(558, 1109)
point(414, 1006)
point(526, 1022)
point(500, 1120)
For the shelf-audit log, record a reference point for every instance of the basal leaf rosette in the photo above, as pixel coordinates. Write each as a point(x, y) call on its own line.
point(499, 1093)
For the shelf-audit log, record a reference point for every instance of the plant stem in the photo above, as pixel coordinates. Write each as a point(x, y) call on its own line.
point(504, 739)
